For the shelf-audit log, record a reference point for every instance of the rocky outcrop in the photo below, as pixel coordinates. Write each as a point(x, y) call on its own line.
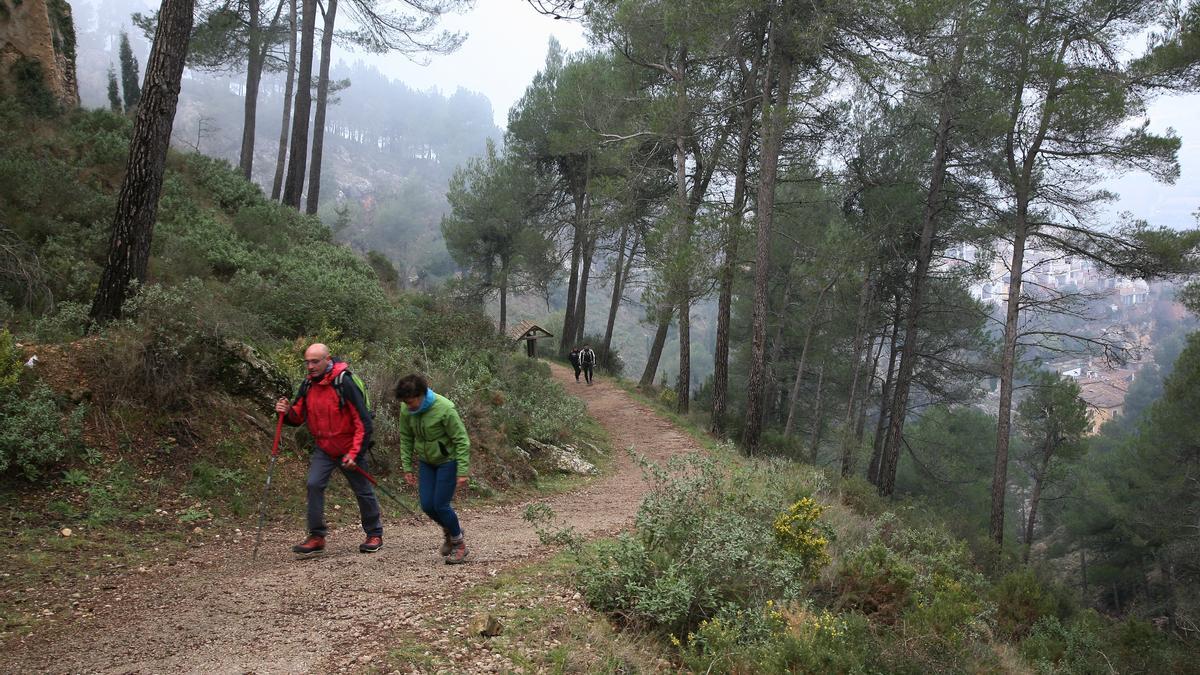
point(565, 459)
point(37, 47)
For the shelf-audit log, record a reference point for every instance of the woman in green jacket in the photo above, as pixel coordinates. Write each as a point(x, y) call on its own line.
point(433, 436)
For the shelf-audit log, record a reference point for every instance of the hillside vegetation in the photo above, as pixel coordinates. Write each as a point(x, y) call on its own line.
point(134, 436)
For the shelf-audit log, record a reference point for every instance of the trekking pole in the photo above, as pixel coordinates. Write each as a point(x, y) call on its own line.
point(262, 506)
point(386, 492)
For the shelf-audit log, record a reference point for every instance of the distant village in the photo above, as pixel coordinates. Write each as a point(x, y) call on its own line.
point(1120, 326)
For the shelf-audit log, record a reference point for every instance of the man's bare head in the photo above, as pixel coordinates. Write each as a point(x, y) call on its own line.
point(316, 359)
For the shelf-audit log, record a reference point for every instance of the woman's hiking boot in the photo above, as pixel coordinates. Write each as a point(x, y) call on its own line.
point(313, 544)
point(372, 544)
point(447, 545)
point(458, 552)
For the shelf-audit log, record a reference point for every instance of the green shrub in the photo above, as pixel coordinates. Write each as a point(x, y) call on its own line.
point(876, 581)
point(533, 404)
point(218, 180)
point(698, 553)
point(67, 323)
point(35, 432)
point(1021, 601)
point(32, 435)
point(100, 137)
point(823, 642)
point(164, 350)
point(1074, 647)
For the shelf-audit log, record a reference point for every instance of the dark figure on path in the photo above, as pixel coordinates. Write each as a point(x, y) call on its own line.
point(587, 359)
point(574, 357)
point(333, 407)
point(433, 436)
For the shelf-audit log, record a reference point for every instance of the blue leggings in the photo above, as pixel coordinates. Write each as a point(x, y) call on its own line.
point(436, 483)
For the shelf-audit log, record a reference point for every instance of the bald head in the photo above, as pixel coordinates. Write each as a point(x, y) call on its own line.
point(316, 359)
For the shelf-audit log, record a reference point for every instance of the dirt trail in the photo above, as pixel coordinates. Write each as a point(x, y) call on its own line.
point(216, 611)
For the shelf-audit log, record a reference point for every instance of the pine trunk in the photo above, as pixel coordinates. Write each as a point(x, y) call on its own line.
point(137, 202)
point(585, 278)
point(683, 383)
point(1008, 358)
point(568, 330)
point(254, 66)
point(615, 301)
point(885, 402)
point(860, 426)
point(929, 221)
point(288, 90)
point(318, 135)
point(656, 347)
point(1034, 499)
point(818, 423)
point(774, 122)
point(860, 331)
point(293, 187)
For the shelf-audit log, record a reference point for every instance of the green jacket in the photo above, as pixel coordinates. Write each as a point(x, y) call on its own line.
point(435, 436)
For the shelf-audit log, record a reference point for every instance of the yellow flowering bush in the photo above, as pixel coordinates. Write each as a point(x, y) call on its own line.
point(800, 532)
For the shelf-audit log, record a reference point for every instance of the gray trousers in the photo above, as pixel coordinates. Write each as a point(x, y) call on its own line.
point(320, 468)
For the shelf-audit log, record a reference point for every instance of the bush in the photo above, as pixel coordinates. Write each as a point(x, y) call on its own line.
point(876, 581)
point(699, 552)
point(1021, 601)
point(35, 433)
point(67, 323)
point(164, 349)
point(218, 180)
point(823, 642)
point(533, 404)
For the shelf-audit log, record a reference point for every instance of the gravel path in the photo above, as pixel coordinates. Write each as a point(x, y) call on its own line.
point(217, 612)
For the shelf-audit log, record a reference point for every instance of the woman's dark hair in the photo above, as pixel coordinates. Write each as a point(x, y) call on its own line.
point(411, 385)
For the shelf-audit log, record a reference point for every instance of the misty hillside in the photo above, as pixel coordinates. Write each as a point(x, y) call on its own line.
point(389, 149)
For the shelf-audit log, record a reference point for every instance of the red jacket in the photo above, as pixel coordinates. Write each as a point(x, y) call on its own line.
point(339, 427)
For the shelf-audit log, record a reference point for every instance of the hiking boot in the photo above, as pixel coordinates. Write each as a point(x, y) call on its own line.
point(458, 552)
point(447, 545)
point(372, 544)
point(313, 544)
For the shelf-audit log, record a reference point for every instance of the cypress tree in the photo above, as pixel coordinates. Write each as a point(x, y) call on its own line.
point(114, 91)
point(129, 74)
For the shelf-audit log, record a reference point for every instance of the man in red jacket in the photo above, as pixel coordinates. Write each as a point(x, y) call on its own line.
point(336, 414)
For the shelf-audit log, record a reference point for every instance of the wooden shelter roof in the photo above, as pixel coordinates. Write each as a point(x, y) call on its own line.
point(528, 330)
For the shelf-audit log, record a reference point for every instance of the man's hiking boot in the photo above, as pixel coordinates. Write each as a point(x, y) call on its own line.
point(458, 552)
point(447, 545)
point(312, 545)
point(372, 544)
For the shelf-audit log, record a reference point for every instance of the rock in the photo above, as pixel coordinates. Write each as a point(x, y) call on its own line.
point(565, 460)
point(486, 625)
point(198, 530)
point(522, 453)
point(66, 532)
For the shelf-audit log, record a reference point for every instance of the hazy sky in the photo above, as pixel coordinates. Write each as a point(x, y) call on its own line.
point(506, 46)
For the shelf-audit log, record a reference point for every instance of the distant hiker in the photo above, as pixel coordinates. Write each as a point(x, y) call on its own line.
point(331, 403)
point(587, 359)
point(433, 436)
point(574, 357)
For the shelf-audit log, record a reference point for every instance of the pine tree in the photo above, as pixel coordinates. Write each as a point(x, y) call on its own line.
point(137, 203)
